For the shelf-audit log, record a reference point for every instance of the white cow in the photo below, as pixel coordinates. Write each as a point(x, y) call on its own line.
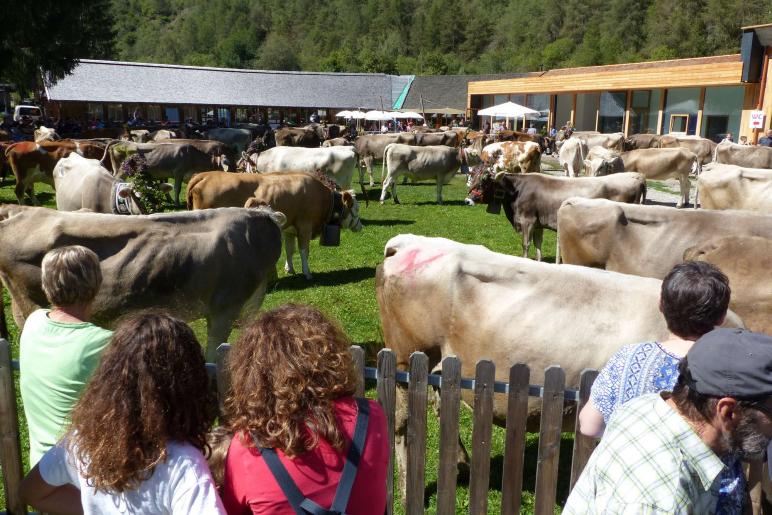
point(338, 163)
point(722, 186)
point(82, 183)
point(571, 156)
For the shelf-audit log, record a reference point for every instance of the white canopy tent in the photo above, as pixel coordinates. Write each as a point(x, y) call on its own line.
point(407, 114)
point(508, 110)
point(378, 116)
point(357, 115)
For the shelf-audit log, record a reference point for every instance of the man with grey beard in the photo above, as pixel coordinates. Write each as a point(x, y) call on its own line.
point(666, 452)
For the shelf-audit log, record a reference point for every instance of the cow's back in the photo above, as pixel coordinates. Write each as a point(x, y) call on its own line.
point(724, 186)
point(747, 156)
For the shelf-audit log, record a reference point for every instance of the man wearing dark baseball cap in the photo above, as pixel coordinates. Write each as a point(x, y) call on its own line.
point(664, 453)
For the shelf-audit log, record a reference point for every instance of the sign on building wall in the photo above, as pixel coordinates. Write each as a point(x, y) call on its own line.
point(757, 119)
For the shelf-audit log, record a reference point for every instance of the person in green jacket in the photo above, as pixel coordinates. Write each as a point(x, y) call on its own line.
point(59, 348)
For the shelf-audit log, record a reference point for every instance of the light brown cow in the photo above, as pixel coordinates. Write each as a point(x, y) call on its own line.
point(637, 141)
point(703, 148)
point(370, 149)
point(33, 162)
point(644, 240)
point(721, 186)
point(748, 156)
point(747, 262)
point(664, 163)
point(305, 201)
point(445, 298)
point(196, 264)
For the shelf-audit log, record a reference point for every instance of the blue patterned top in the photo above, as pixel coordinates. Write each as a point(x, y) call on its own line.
point(642, 368)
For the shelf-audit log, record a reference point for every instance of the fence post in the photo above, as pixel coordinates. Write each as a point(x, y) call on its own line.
point(387, 384)
point(416, 433)
point(514, 443)
point(583, 445)
point(10, 451)
point(450, 402)
point(485, 376)
point(223, 375)
point(549, 440)
point(358, 355)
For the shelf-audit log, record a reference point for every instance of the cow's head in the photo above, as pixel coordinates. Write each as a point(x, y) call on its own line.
point(131, 200)
point(350, 217)
point(482, 186)
point(222, 162)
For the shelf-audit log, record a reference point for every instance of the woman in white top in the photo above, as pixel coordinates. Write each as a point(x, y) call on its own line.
point(138, 431)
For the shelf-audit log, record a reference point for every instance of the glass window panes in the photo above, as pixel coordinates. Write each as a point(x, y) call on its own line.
point(586, 111)
point(644, 111)
point(681, 101)
point(679, 123)
point(563, 105)
point(721, 112)
point(172, 114)
point(540, 103)
point(115, 112)
point(611, 117)
point(154, 113)
point(95, 111)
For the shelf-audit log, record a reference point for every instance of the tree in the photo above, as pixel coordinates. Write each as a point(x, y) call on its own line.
point(51, 36)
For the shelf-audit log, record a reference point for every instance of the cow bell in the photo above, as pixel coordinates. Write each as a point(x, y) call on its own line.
point(330, 236)
point(494, 206)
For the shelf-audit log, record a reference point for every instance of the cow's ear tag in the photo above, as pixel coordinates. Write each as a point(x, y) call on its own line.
point(330, 236)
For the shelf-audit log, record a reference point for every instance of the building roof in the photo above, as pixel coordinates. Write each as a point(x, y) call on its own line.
point(672, 73)
point(763, 32)
point(125, 82)
point(439, 91)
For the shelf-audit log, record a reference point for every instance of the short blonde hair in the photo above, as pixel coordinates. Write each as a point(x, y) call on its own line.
point(71, 276)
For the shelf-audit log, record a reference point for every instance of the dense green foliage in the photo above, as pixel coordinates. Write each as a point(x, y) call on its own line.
point(51, 35)
point(427, 36)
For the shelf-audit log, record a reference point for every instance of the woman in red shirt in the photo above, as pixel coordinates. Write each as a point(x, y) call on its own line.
point(291, 398)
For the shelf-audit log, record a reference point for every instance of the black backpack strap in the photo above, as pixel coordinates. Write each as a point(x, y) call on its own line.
point(343, 492)
point(297, 500)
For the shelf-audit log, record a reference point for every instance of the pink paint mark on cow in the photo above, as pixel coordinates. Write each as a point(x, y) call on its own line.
point(413, 259)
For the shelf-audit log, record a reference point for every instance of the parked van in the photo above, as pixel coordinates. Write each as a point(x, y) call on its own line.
point(33, 112)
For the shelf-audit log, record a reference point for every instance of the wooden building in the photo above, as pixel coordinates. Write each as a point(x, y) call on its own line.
point(705, 96)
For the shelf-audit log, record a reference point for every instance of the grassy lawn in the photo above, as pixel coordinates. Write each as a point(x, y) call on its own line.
point(344, 287)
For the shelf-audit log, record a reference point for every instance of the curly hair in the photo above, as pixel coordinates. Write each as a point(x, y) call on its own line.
point(150, 387)
point(286, 370)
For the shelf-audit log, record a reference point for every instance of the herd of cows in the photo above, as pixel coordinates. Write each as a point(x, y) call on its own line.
point(435, 295)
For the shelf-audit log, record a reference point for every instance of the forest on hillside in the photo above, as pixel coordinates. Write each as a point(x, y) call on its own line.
point(427, 37)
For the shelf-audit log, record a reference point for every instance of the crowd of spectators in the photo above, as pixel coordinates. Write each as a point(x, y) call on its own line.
point(122, 422)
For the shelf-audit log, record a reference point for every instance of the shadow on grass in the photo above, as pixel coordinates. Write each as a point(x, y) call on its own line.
point(332, 278)
point(386, 223)
point(444, 203)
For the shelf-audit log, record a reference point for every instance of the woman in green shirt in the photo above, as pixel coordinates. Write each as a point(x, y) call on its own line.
point(59, 348)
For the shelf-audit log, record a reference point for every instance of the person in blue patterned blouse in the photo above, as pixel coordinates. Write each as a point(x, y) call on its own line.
point(694, 299)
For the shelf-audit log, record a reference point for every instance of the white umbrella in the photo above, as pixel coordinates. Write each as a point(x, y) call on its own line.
point(507, 110)
point(408, 114)
point(378, 116)
point(344, 114)
point(357, 115)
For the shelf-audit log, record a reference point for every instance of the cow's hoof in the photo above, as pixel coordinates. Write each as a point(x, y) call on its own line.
point(383, 202)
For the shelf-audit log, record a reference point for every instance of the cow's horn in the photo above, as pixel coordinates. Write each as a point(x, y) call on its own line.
point(499, 175)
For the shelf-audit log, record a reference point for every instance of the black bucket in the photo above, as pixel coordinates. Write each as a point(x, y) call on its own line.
point(330, 236)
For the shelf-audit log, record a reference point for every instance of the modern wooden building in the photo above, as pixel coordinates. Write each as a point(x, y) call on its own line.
point(705, 96)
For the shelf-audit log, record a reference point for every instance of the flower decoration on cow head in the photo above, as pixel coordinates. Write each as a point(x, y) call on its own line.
point(147, 189)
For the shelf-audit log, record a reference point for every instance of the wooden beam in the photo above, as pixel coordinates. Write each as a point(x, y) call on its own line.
point(662, 93)
point(628, 111)
point(573, 110)
point(698, 128)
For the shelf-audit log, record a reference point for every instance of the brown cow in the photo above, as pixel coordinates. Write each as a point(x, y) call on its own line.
point(449, 138)
point(209, 263)
point(747, 261)
point(644, 240)
point(370, 148)
point(702, 147)
point(638, 141)
point(34, 162)
point(531, 201)
point(300, 137)
point(723, 186)
point(664, 163)
point(518, 157)
point(744, 155)
point(306, 201)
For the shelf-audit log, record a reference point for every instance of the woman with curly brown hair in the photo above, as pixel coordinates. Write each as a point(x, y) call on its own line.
point(138, 431)
point(301, 439)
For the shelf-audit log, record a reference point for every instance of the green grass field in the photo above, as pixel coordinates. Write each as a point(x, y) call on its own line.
point(344, 287)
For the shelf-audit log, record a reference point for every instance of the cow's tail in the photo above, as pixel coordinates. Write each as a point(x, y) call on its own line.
point(642, 193)
point(192, 189)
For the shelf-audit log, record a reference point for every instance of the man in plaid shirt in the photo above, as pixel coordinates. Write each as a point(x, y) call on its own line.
point(662, 453)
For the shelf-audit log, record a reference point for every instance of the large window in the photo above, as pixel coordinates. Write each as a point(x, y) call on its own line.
point(241, 114)
point(563, 104)
point(644, 110)
point(172, 114)
point(115, 112)
point(722, 111)
point(586, 111)
point(681, 102)
point(154, 113)
point(539, 103)
point(207, 115)
point(612, 111)
point(500, 99)
point(95, 111)
point(190, 114)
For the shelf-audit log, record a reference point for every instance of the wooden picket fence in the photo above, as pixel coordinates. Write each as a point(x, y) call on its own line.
point(418, 380)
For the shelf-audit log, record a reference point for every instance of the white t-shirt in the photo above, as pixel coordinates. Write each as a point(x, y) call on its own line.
point(181, 485)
